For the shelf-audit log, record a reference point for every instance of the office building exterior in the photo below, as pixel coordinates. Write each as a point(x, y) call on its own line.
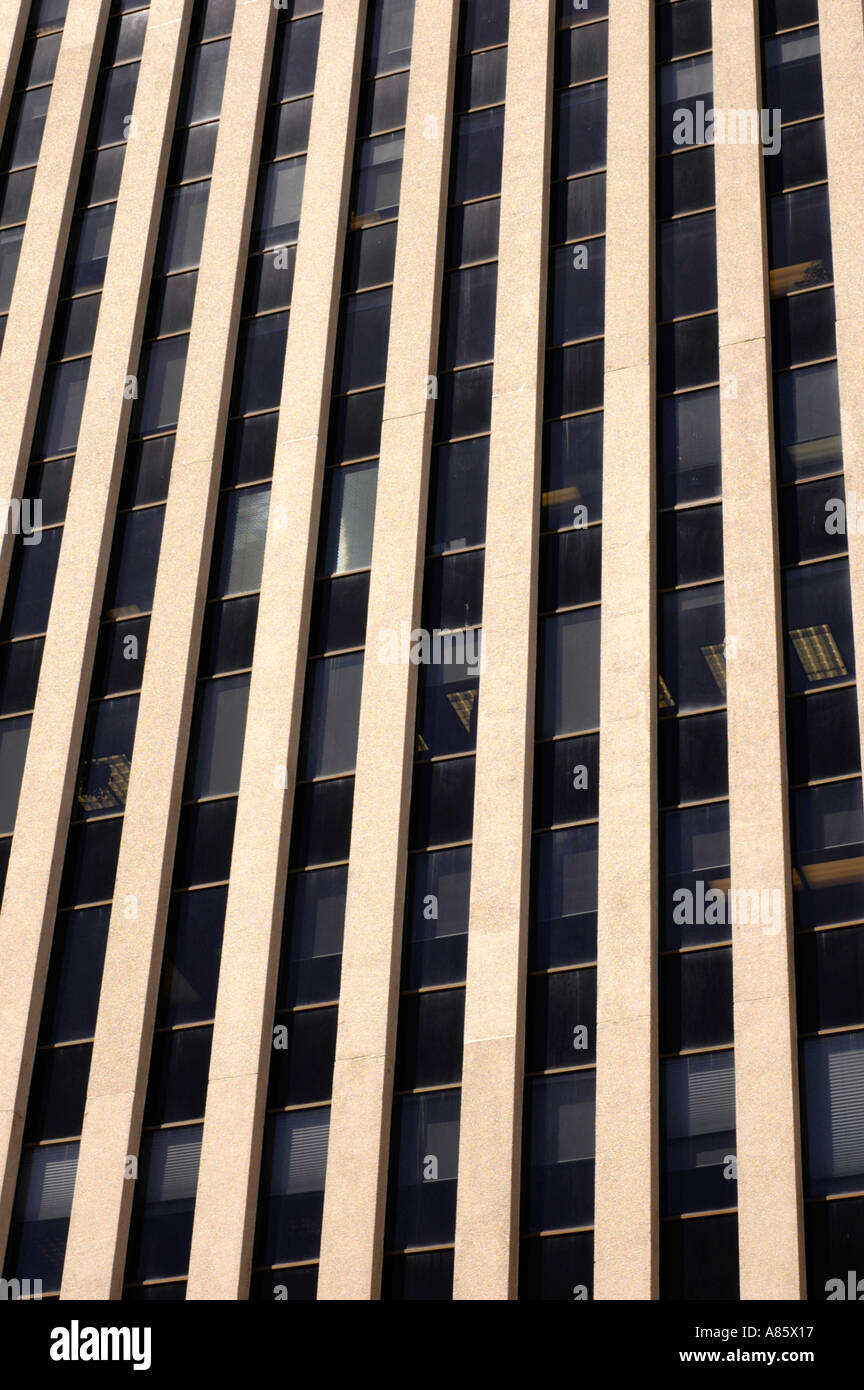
point(431, 823)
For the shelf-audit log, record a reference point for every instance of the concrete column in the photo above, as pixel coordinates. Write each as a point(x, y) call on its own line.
point(841, 28)
point(121, 1051)
point(766, 1089)
point(355, 1197)
point(13, 24)
point(230, 1160)
point(490, 1145)
point(36, 861)
point(43, 248)
point(626, 1183)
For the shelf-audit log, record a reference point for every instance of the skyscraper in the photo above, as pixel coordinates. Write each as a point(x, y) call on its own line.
point(431, 817)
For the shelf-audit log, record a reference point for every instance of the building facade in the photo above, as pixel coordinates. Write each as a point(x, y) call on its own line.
point(431, 820)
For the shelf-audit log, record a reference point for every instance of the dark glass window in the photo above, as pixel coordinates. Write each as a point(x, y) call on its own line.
point(171, 304)
point(249, 449)
point(321, 830)
point(370, 257)
point(177, 1089)
point(426, 1275)
point(423, 1199)
point(696, 870)
point(331, 716)
point(570, 568)
point(691, 546)
point(383, 104)
point(14, 737)
point(573, 472)
point(566, 780)
point(193, 946)
point(458, 510)
point(355, 427)
point(75, 977)
point(835, 1242)
point(31, 585)
point(803, 328)
point(389, 45)
point(828, 853)
point(834, 1100)
point(106, 756)
point(689, 353)
point(162, 371)
point(793, 75)
point(61, 407)
point(453, 591)
point(204, 843)
point(204, 82)
point(693, 760)
point(430, 1039)
point(818, 624)
point(578, 208)
point(314, 920)
point(468, 330)
point(690, 447)
point(577, 291)
point(581, 54)
point(699, 1259)
point(378, 176)
point(813, 521)
point(480, 79)
point(75, 326)
point(447, 718)
point(146, 471)
point(808, 421)
point(304, 1048)
point(115, 97)
point(436, 917)
point(296, 58)
point(241, 541)
point(580, 139)
point(683, 86)
point(19, 674)
point(830, 979)
point(365, 331)
point(800, 240)
point(472, 233)
point(286, 129)
point(557, 1268)
point(698, 1121)
point(229, 636)
point(559, 1173)
point(823, 736)
point(800, 159)
point(43, 1203)
point(182, 231)
point(688, 266)
point(292, 1186)
point(565, 897)
point(57, 1093)
point(260, 360)
point(442, 802)
point(120, 657)
point(574, 379)
point(464, 403)
point(695, 1000)
point(133, 566)
point(483, 24)
point(562, 1019)
point(569, 673)
point(478, 141)
point(683, 28)
point(161, 1234)
point(91, 862)
point(216, 744)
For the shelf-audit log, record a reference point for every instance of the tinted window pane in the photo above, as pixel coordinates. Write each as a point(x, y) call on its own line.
point(163, 369)
point(260, 360)
point(577, 291)
point(808, 421)
point(301, 1067)
point(792, 74)
point(14, 737)
point(559, 1176)
point(424, 1169)
point(161, 1233)
point(183, 227)
point(562, 1019)
point(229, 636)
point(580, 141)
point(296, 58)
point(244, 528)
point(830, 979)
point(819, 625)
point(695, 1000)
point(690, 447)
point(133, 566)
point(321, 831)
point(683, 85)
point(106, 757)
point(365, 330)
point(43, 1203)
point(292, 1186)
point(566, 780)
point(468, 331)
point(436, 917)
point(696, 868)
point(823, 736)
point(472, 233)
point(177, 1089)
point(204, 843)
point(834, 1099)
point(800, 240)
point(217, 737)
point(442, 802)
point(331, 716)
point(193, 945)
point(91, 862)
point(828, 853)
point(453, 591)
point(31, 584)
point(460, 477)
point(430, 1039)
point(19, 674)
point(693, 760)
point(478, 148)
point(559, 1268)
point(314, 920)
point(75, 977)
point(689, 353)
point(688, 266)
point(699, 1259)
point(579, 207)
point(379, 174)
point(570, 673)
point(691, 546)
point(813, 521)
point(204, 83)
point(570, 568)
point(698, 1121)
point(464, 403)
point(573, 472)
point(565, 897)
